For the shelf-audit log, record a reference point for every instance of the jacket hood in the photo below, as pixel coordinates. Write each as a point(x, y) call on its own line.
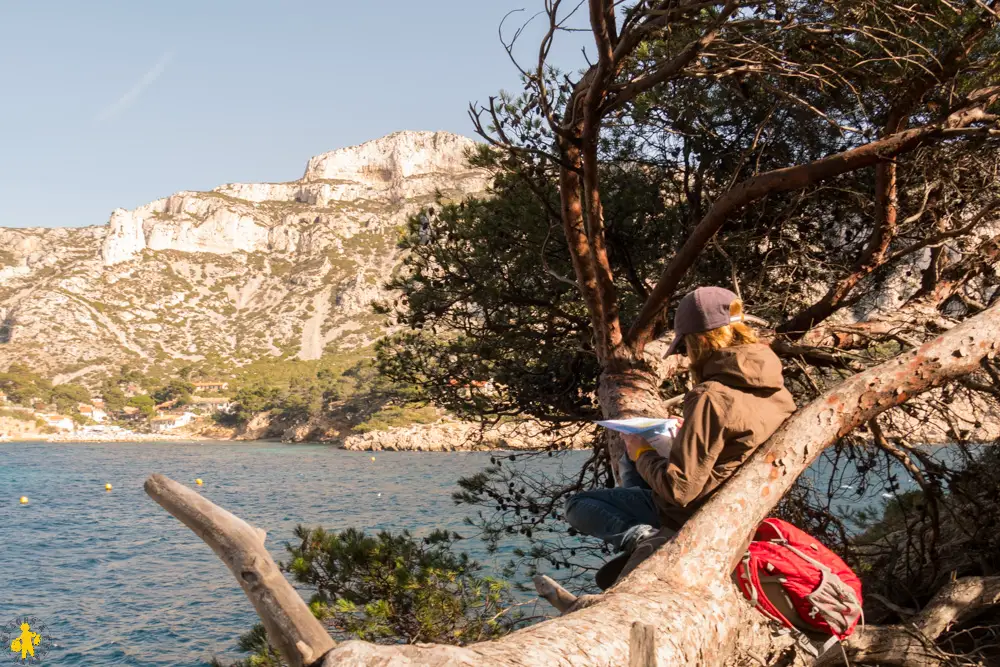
point(753, 366)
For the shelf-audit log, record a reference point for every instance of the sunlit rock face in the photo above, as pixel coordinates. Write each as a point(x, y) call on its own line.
point(242, 272)
point(248, 216)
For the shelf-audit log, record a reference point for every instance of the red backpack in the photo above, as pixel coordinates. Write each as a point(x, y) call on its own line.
point(791, 578)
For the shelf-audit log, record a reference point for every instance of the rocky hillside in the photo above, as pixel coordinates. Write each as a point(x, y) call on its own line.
point(243, 272)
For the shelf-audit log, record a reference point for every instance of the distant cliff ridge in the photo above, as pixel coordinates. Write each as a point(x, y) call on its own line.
point(264, 217)
point(245, 271)
point(392, 160)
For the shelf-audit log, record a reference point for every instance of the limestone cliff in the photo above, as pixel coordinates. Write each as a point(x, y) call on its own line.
point(352, 185)
point(245, 271)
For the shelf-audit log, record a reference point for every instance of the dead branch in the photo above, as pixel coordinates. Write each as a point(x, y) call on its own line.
point(875, 252)
point(913, 644)
point(554, 593)
point(291, 627)
point(666, 71)
point(937, 239)
point(815, 356)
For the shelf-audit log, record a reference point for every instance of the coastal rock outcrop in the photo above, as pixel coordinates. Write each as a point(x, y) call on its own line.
point(449, 436)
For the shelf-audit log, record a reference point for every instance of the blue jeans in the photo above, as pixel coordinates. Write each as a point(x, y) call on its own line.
point(630, 474)
point(615, 515)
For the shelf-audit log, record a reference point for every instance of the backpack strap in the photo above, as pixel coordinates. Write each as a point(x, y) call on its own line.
point(815, 648)
point(780, 539)
point(746, 573)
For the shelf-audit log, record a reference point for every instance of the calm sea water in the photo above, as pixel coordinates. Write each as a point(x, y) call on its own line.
point(118, 581)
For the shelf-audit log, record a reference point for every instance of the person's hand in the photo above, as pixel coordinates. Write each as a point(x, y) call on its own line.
point(634, 445)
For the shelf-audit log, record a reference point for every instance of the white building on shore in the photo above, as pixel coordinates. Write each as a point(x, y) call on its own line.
point(60, 422)
point(170, 422)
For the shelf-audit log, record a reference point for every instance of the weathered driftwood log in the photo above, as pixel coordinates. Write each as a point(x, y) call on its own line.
point(552, 592)
point(684, 589)
point(291, 627)
point(903, 645)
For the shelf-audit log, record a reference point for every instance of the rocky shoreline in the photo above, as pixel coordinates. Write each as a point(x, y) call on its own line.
point(452, 436)
point(443, 436)
point(121, 437)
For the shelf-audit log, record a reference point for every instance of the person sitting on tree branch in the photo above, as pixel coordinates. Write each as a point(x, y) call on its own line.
point(738, 401)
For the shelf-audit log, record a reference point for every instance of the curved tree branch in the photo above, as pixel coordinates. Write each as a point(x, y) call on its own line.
point(291, 627)
point(668, 70)
point(784, 180)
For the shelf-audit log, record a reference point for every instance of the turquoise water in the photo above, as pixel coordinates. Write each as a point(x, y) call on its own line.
point(118, 581)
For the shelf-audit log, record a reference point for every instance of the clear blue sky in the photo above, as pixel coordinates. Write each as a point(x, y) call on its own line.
point(114, 104)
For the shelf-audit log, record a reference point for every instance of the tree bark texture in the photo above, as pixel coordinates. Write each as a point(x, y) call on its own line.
point(684, 590)
point(575, 230)
point(628, 392)
point(642, 646)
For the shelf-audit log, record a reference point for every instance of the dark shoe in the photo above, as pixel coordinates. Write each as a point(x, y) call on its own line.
point(635, 535)
point(609, 572)
point(622, 564)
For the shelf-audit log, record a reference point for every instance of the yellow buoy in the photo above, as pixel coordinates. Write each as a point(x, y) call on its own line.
point(24, 500)
point(373, 458)
point(198, 481)
point(107, 487)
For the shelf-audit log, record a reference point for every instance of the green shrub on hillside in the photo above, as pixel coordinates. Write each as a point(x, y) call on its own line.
point(297, 391)
point(23, 386)
point(68, 396)
point(174, 390)
point(393, 416)
point(249, 401)
point(114, 398)
point(21, 415)
point(145, 403)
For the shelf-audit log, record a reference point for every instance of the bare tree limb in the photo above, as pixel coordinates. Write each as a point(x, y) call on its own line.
point(674, 66)
point(291, 627)
point(936, 239)
point(554, 593)
point(875, 252)
point(912, 644)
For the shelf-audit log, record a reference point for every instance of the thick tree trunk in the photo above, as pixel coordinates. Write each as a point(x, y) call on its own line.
point(684, 590)
point(628, 391)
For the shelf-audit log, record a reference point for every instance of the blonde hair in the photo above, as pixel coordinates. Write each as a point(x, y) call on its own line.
point(700, 346)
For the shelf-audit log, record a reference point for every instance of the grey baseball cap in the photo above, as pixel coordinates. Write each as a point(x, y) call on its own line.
point(704, 309)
